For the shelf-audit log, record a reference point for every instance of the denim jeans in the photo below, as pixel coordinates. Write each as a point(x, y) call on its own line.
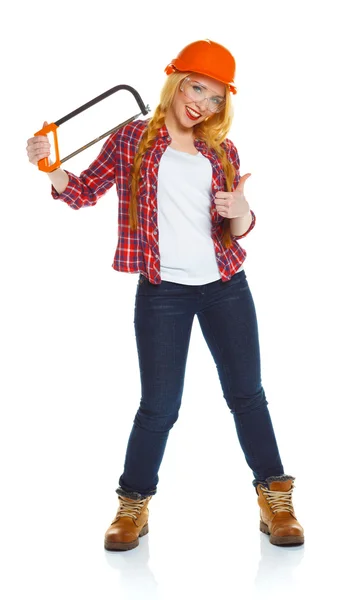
point(163, 319)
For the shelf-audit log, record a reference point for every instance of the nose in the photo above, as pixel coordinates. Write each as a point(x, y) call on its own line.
point(200, 103)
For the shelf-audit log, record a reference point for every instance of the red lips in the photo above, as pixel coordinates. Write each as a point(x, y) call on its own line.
point(190, 116)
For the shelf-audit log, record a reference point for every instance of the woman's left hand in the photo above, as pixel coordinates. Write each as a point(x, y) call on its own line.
point(233, 204)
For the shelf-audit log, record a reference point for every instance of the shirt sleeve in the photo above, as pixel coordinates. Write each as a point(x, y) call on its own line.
point(233, 156)
point(94, 181)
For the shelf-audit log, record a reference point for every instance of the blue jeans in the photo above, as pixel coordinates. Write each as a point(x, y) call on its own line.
point(163, 319)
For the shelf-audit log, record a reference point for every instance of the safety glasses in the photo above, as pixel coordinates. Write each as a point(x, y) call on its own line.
point(200, 93)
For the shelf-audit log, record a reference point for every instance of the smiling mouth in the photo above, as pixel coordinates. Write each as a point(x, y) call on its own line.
point(192, 114)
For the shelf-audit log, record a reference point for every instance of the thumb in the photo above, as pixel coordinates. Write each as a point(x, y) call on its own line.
point(45, 123)
point(242, 181)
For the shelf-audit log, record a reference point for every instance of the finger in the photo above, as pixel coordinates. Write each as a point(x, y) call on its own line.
point(37, 153)
point(222, 194)
point(224, 201)
point(39, 145)
point(37, 138)
point(220, 205)
point(35, 159)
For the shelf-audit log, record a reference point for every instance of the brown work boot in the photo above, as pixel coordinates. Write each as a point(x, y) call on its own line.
point(277, 515)
point(130, 523)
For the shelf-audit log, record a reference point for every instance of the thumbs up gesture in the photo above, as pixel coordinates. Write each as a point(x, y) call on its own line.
point(233, 204)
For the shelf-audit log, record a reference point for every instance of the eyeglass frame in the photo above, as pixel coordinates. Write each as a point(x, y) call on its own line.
point(188, 78)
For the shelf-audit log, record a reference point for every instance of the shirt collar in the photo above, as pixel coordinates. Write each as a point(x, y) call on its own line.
point(163, 133)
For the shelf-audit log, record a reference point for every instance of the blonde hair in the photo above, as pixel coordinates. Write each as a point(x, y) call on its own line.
point(213, 132)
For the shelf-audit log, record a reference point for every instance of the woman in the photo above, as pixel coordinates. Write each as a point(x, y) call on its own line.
point(181, 211)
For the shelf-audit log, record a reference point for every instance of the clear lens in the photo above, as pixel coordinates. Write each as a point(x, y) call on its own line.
point(198, 93)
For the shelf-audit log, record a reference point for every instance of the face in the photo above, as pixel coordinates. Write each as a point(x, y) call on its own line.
point(187, 112)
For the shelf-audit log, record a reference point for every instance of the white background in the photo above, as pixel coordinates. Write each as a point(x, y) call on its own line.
point(70, 382)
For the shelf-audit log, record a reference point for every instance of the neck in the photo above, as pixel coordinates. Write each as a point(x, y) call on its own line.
point(176, 131)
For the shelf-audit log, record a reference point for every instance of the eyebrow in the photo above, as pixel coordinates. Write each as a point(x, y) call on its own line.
point(206, 88)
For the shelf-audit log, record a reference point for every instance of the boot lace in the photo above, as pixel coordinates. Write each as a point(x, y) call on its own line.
point(279, 501)
point(130, 508)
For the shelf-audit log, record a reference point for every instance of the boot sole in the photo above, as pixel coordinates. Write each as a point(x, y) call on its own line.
point(126, 545)
point(285, 540)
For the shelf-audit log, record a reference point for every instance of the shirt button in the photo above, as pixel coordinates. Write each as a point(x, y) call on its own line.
point(156, 165)
point(155, 231)
point(155, 210)
point(219, 253)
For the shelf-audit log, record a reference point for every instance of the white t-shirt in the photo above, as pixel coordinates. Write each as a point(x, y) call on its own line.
point(187, 253)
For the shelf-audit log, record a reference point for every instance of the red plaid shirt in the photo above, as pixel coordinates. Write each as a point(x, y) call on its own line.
point(138, 251)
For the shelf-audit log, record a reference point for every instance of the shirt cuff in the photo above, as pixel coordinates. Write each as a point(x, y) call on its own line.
point(251, 226)
point(71, 192)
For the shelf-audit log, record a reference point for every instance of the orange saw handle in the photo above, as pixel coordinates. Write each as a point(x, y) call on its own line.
point(43, 164)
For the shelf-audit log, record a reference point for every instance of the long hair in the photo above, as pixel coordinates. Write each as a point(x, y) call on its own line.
point(213, 132)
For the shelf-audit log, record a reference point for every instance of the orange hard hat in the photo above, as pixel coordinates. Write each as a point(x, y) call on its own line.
point(207, 58)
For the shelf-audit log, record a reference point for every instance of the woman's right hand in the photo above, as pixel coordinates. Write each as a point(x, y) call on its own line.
point(38, 147)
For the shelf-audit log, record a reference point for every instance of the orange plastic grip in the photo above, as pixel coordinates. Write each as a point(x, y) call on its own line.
point(43, 164)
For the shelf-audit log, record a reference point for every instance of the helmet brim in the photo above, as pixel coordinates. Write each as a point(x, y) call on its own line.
point(172, 69)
